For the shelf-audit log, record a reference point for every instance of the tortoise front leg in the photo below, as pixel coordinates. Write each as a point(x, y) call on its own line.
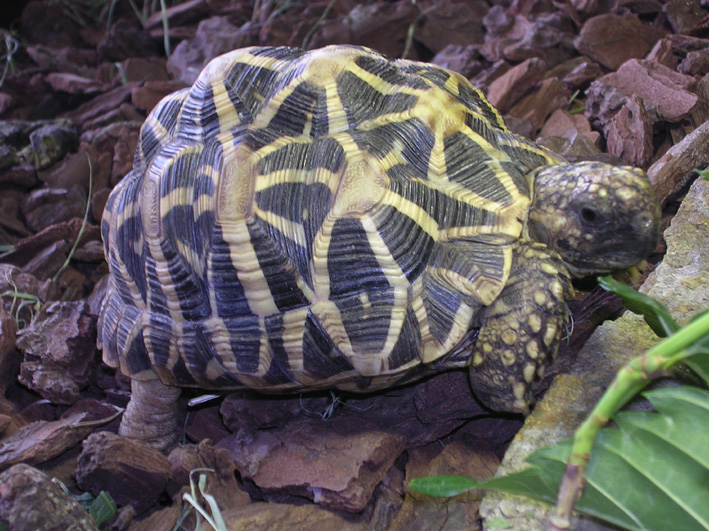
point(152, 415)
point(520, 330)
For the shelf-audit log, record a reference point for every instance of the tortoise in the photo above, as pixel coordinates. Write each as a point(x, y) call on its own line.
point(301, 220)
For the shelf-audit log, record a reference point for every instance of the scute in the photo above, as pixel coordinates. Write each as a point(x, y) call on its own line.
point(295, 219)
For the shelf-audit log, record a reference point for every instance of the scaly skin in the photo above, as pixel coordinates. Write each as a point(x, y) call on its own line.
point(152, 415)
point(521, 329)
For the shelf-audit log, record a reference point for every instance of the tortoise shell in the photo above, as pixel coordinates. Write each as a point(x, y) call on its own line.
point(328, 218)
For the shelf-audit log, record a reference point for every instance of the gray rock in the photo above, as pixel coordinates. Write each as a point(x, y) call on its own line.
point(31, 501)
point(680, 283)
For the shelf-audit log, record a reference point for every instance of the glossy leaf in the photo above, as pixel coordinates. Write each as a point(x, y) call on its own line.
point(650, 474)
point(654, 312)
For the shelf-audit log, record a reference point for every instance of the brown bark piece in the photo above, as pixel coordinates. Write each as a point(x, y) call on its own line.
point(546, 40)
point(457, 458)
point(612, 40)
point(286, 517)
point(43, 440)
point(576, 73)
point(9, 356)
point(59, 348)
point(215, 36)
point(566, 125)
point(451, 22)
point(667, 95)
point(673, 171)
point(684, 15)
point(381, 25)
point(221, 482)
point(150, 93)
point(14, 279)
point(696, 63)
point(97, 106)
point(133, 472)
point(461, 59)
point(629, 134)
point(337, 464)
point(537, 106)
point(31, 501)
point(507, 89)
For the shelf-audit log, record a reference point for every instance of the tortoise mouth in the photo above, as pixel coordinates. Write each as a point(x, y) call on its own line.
point(607, 258)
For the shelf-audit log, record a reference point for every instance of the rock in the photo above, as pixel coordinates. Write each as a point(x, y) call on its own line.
point(50, 143)
point(9, 356)
point(31, 501)
point(133, 472)
point(286, 517)
point(601, 37)
point(677, 283)
point(335, 463)
point(59, 348)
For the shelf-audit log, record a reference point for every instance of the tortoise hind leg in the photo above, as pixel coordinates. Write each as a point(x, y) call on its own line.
point(521, 329)
point(152, 415)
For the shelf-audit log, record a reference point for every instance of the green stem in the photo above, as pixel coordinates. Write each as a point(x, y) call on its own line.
point(628, 382)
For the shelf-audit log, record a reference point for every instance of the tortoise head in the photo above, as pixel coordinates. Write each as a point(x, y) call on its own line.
point(598, 217)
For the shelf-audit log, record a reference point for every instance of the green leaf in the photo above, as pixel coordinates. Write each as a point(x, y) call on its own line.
point(443, 486)
point(103, 508)
point(654, 312)
point(650, 474)
point(699, 364)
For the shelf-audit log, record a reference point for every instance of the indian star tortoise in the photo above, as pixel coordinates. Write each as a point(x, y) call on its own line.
point(336, 219)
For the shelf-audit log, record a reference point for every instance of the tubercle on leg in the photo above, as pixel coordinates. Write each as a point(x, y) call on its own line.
point(521, 330)
point(152, 415)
